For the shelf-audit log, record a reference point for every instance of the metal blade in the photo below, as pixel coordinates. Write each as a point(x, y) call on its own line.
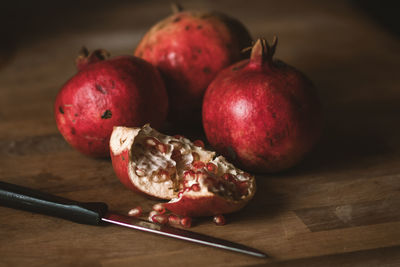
point(146, 226)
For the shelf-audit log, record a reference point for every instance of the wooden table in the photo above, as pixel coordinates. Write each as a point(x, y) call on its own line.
point(339, 207)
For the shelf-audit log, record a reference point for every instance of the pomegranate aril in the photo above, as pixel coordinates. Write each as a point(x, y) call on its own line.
point(178, 136)
point(140, 172)
point(198, 164)
point(219, 220)
point(151, 215)
point(199, 143)
point(186, 222)
point(211, 167)
point(174, 219)
point(195, 187)
point(135, 212)
point(159, 207)
point(159, 218)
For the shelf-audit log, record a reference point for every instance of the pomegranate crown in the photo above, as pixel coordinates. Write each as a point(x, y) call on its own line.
point(85, 58)
point(262, 51)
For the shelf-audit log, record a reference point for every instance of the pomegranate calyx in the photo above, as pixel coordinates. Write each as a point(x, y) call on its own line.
point(262, 52)
point(85, 57)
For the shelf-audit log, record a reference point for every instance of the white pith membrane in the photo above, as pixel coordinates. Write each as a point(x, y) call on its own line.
point(171, 167)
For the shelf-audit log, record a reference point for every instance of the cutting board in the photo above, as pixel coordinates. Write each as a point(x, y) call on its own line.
point(338, 207)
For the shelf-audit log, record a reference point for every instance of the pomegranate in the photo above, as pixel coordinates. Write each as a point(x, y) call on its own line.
point(175, 169)
point(262, 113)
point(123, 90)
point(190, 48)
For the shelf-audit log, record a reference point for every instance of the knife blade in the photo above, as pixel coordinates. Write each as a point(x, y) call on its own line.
point(96, 213)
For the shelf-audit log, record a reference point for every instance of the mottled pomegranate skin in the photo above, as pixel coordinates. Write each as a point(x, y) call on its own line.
point(189, 49)
point(120, 91)
point(262, 113)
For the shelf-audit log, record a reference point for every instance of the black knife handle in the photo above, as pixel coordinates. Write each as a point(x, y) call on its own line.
point(15, 196)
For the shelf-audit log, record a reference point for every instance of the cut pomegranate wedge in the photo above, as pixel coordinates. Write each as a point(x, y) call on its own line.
point(195, 180)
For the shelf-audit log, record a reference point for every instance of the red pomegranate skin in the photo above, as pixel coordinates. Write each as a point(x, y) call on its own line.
point(189, 49)
point(124, 90)
point(262, 113)
point(120, 164)
point(203, 206)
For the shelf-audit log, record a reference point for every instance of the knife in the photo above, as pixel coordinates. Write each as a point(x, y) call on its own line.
point(96, 213)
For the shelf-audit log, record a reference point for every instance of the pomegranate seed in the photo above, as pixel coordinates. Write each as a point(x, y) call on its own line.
point(195, 187)
point(140, 172)
point(135, 212)
point(219, 220)
point(211, 167)
point(178, 136)
point(174, 219)
point(152, 214)
point(198, 164)
point(159, 207)
point(196, 157)
point(186, 222)
point(163, 148)
point(159, 218)
point(199, 143)
point(151, 141)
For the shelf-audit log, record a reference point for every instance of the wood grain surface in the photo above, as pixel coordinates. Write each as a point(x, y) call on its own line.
point(339, 207)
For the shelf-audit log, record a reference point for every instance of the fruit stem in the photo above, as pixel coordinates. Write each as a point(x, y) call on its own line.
point(176, 8)
point(263, 52)
point(85, 58)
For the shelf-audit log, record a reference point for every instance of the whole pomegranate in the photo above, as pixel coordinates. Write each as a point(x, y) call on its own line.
point(124, 90)
point(190, 48)
point(262, 113)
point(196, 182)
